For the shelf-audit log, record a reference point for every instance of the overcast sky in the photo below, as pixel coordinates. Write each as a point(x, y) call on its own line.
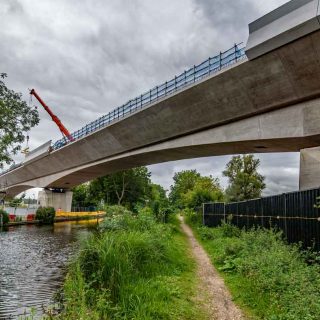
point(87, 57)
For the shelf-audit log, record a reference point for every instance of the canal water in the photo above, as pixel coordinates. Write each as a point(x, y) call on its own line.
point(33, 262)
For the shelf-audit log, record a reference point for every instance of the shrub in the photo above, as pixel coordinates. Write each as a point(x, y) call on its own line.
point(5, 216)
point(229, 230)
point(192, 217)
point(45, 215)
point(206, 233)
point(116, 210)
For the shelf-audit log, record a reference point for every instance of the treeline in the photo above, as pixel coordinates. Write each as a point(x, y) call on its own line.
point(133, 188)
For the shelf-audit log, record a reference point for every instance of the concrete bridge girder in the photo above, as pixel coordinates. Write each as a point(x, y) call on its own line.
point(285, 130)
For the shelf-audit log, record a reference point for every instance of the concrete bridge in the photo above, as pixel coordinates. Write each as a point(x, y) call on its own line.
point(264, 100)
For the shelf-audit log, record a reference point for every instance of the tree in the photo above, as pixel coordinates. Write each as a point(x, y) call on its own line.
point(81, 197)
point(159, 202)
point(16, 119)
point(206, 189)
point(183, 181)
point(127, 187)
point(244, 180)
point(16, 202)
point(190, 189)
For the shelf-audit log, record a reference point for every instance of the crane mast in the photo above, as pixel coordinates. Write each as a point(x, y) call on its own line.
point(54, 118)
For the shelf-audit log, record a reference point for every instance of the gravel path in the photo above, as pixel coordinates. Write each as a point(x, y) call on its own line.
point(212, 290)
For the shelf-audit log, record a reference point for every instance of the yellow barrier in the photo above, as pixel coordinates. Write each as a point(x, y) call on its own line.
point(78, 214)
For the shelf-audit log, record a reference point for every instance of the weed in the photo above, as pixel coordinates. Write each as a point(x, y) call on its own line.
point(267, 277)
point(134, 268)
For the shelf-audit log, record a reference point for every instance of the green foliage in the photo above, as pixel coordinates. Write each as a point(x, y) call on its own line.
point(183, 182)
point(135, 268)
point(190, 189)
point(159, 203)
point(130, 188)
point(80, 197)
point(244, 180)
point(266, 276)
point(116, 210)
point(16, 202)
point(229, 230)
point(45, 215)
point(5, 216)
point(193, 217)
point(16, 119)
point(126, 188)
point(206, 233)
point(206, 189)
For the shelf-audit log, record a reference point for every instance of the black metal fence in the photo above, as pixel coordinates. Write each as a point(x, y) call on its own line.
point(293, 213)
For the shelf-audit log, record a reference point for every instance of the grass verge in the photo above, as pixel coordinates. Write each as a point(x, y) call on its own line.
point(267, 277)
point(135, 268)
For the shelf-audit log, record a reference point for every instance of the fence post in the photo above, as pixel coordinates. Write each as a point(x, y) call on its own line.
point(203, 214)
point(220, 60)
point(157, 92)
point(209, 66)
point(235, 52)
point(285, 215)
point(165, 88)
point(224, 212)
point(194, 73)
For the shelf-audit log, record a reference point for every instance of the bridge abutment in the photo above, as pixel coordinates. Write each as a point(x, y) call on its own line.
point(309, 168)
point(60, 200)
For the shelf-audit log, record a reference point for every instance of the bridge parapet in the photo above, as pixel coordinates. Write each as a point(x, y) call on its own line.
point(283, 25)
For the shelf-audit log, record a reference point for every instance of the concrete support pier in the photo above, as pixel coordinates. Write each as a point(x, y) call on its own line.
point(309, 168)
point(61, 200)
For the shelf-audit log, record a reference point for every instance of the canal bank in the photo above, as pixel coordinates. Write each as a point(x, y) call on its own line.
point(67, 216)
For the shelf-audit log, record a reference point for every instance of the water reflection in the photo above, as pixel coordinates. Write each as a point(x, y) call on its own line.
point(32, 263)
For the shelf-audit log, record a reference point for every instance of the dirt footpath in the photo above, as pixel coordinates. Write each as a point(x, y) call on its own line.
point(212, 290)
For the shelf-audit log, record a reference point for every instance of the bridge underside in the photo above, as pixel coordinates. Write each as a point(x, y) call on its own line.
point(290, 129)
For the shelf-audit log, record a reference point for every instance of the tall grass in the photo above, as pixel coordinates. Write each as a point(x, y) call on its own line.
point(134, 268)
point(269, 278)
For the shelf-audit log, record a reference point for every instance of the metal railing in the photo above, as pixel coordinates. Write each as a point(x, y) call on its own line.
point(194, 74)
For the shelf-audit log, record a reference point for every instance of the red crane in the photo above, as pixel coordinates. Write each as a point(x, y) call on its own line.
point(54, 118)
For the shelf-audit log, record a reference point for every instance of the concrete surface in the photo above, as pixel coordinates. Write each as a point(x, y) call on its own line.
point(309, 168)
point(287, 23)
point(61, 201)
